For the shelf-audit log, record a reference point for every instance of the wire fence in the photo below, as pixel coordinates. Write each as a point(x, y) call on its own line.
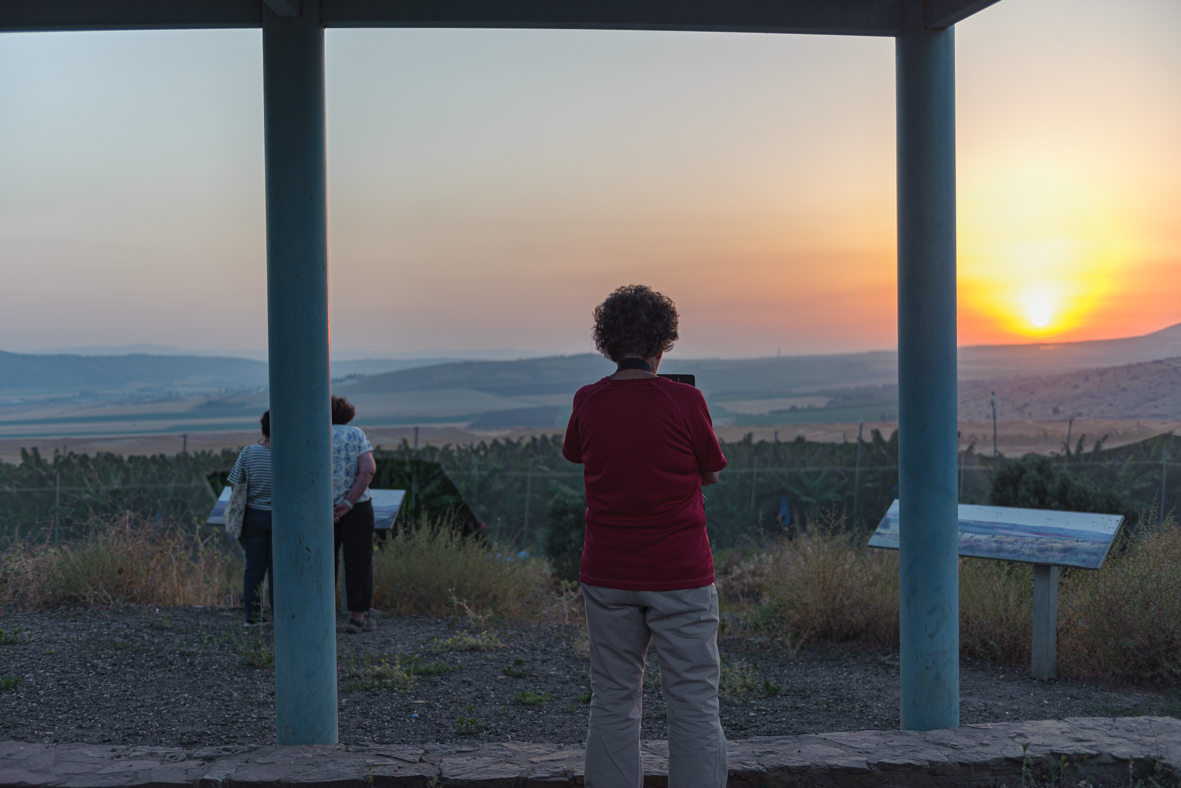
point(509, 486)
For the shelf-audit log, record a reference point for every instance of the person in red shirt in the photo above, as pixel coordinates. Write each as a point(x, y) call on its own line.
point(648, 447)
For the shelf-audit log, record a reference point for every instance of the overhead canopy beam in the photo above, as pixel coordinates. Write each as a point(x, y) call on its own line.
point(837, 17)
point(942, 14)
point(832, 17)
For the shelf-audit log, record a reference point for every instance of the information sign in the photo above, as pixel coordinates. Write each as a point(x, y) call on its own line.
point(1033, 536)
point(386, 505)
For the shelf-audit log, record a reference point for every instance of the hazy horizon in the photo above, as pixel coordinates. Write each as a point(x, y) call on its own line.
point(488, 187)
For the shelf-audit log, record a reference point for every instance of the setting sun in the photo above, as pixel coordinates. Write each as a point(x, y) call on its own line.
point(1040, 245)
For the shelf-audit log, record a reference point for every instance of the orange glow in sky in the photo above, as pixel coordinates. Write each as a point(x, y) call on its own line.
point(488, 188)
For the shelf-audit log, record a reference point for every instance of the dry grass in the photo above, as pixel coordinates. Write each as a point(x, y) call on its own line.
point(825, 585)
point(1123, 623)
point(435, 571)
point(129, 561)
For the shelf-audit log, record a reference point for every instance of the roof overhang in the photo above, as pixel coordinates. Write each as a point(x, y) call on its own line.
point(826, 17)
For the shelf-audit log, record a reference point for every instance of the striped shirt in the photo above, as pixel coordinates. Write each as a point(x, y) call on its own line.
point(254, 464)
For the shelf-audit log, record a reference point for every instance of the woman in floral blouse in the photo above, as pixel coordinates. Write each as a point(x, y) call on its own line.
point(352, 512)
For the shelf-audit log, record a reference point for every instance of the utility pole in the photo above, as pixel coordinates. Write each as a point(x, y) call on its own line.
point(414, 474)
point(1069, 428)
point(994, 451)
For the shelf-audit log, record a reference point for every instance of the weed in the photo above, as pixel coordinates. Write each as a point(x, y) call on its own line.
point(770, 688)
point(464, 641)
point(416, 667)
point(158, 620)
point(516, 670)
point(738, 681)
point(255, 649)
point(49, 651)
point(585, 697)
point(532, 698)
point(375, 671)
point(9, 682)
point(469, 726)
point(15, 636)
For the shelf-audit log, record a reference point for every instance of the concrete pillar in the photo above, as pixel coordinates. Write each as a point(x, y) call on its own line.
point(301, 439)
point(927, 445)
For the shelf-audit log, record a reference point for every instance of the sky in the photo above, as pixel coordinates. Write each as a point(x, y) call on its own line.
point(488, 188)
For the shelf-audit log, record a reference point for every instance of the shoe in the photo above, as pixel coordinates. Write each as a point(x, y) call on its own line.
point(253, 624)
point(355, 627)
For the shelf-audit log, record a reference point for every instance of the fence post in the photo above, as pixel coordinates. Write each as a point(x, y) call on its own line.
point(1164, 469)
point(857, 473)
point(528, 494)
point(754, 481)
point(57, 507)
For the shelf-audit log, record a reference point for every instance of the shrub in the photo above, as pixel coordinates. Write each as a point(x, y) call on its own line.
point(433, 569)
point(1039, 482)
point(567, 532)
point(131, 560)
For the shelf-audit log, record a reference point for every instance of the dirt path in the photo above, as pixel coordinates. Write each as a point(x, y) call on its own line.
point(180, 676)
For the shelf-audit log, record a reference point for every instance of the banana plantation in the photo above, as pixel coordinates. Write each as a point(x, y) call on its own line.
point(505, 487)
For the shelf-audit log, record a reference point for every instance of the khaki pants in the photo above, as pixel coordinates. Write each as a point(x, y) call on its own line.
point(684, 626)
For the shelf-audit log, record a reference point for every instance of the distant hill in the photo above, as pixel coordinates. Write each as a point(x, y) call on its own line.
point(32, 374)
point(1149, 390)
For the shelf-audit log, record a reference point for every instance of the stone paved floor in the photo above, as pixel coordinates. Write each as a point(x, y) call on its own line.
point(1113, 751)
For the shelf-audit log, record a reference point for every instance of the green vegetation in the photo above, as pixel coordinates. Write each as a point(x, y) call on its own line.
point(567, 529)
point(15, 636)
point(469, 726)
point(516, 670)
point(9, 682)
point(532, 698)
point(256, 647)
point(484, 641)
point(1039, 482)
point(375, 671)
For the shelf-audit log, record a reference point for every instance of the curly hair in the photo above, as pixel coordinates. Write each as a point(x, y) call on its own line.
point(634, 321)
point(342, 410)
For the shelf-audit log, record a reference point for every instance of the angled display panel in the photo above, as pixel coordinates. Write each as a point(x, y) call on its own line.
point(1033, 536)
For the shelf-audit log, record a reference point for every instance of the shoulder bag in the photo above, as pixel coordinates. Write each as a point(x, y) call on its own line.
point(236, 508)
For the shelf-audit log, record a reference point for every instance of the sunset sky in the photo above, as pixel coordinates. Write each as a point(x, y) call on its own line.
point(487, 188)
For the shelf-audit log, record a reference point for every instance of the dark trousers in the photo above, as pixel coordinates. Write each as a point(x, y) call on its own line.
point(355, 533)
point(256, 539)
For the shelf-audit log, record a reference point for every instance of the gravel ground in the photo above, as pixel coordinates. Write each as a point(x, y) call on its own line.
point(183, 676)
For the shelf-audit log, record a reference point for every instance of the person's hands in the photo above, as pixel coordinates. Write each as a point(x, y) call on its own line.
point(709, 478)
point(339, 511)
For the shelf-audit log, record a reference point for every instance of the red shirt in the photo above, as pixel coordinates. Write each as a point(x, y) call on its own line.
point(645, 443)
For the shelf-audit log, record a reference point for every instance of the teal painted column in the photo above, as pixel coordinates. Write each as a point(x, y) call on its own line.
point(927, 445)
point(301, 438)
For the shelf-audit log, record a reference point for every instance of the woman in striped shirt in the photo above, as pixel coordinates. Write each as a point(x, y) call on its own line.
point(254, 468)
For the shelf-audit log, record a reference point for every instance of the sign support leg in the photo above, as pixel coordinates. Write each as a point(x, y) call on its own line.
point(1045, 622)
